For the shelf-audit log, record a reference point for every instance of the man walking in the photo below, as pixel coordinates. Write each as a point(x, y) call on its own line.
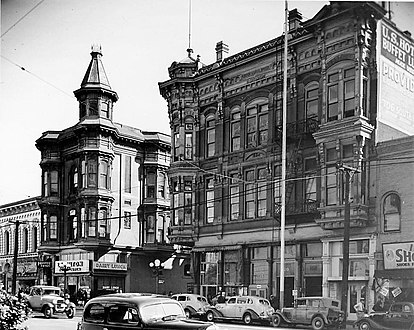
point(360, 309)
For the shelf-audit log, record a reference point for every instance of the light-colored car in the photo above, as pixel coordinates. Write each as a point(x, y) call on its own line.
point(248, 309)
point(315, 311)
point(194, 305)
point(137, 311)
point(47, 300)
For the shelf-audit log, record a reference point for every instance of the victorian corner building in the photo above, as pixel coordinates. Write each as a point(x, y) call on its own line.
point(104, 200)
point(350, 97)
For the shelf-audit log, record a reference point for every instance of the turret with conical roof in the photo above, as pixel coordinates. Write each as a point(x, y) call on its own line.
point(95, 96)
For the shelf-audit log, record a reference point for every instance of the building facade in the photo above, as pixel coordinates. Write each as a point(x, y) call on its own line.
point(26, 214)
point(105, 199)
point(225, 174)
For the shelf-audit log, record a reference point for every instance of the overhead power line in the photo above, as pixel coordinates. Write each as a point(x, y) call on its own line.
point(20, 19)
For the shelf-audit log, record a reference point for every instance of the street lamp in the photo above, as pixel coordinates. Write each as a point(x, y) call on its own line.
point(156, 267)
point(65, 267)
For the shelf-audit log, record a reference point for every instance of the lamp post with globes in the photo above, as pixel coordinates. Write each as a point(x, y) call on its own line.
point(156, 267)
point(65, 267)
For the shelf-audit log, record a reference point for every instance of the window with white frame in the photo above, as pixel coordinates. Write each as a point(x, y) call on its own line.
point(311, 100)
point(209, 200)
point(341, 92)
point(331, 195)
point(257, 125)
point(234, 196)
point(310, 179)
point(235, 133)
point(255, 192)
point(211, 136)
point(188, 147)
point(391, 209)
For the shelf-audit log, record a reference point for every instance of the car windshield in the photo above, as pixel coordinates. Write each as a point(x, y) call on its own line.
point(156, 312)
point(51, 291)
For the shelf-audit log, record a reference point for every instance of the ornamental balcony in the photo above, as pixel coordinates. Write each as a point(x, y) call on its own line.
point(332, 217)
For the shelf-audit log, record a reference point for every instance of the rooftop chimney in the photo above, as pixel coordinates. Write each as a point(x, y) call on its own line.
point(295, 19)
point(220, 49)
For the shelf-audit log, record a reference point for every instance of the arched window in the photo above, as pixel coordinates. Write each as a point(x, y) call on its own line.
point(235, 130)
point(6, 243)
point(25, 240)
point(188, 148)
point(257, 124)
point(34, 239)
point(392, 212)
point(210, 136)
point(311, 100)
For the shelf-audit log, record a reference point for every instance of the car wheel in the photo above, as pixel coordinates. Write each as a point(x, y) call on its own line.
point(318, 323)
point(210, 316)
point(276, 321)
point(47, 312)
point(364, 325)
point(247, 318)
point(70, 313)
point(187, 313)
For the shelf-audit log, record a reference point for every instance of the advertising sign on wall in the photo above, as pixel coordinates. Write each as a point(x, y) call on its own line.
point(398, 255)
point(110, 265)
point(396, 79)
point(76, 266)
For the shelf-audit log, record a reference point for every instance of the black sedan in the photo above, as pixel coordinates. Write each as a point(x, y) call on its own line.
point(399, 316)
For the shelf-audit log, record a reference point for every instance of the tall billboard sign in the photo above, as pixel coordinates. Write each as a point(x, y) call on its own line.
point(396, 79)
point(398, 255)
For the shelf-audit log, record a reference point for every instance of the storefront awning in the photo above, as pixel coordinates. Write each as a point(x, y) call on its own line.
point(216, 248)
point(407, 274)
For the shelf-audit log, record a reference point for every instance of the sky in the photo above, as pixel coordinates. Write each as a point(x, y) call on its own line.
point(51, 40)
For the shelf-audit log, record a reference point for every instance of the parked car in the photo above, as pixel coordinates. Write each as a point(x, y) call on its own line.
point(194, 305)
point(47, 300)
point(315, 311)
point(399, 316)
point(137, 311)
point(245, 308)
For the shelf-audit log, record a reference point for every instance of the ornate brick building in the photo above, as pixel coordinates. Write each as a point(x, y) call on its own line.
point(105, 199)
point(226, 121)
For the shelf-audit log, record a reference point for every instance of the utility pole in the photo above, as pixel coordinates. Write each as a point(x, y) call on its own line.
point(348, 173)
point(16, 248)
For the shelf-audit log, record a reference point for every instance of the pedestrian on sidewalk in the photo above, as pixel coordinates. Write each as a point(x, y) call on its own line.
point(360, 309)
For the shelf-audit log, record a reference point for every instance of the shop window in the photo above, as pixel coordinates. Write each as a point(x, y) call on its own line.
point(391, 209)
point(235, 131)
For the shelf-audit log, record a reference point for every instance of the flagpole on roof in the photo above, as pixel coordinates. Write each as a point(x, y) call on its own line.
point(283, 188)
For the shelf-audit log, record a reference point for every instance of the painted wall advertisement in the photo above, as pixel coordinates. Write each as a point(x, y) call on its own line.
point(396, 79)
point(398, 255)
